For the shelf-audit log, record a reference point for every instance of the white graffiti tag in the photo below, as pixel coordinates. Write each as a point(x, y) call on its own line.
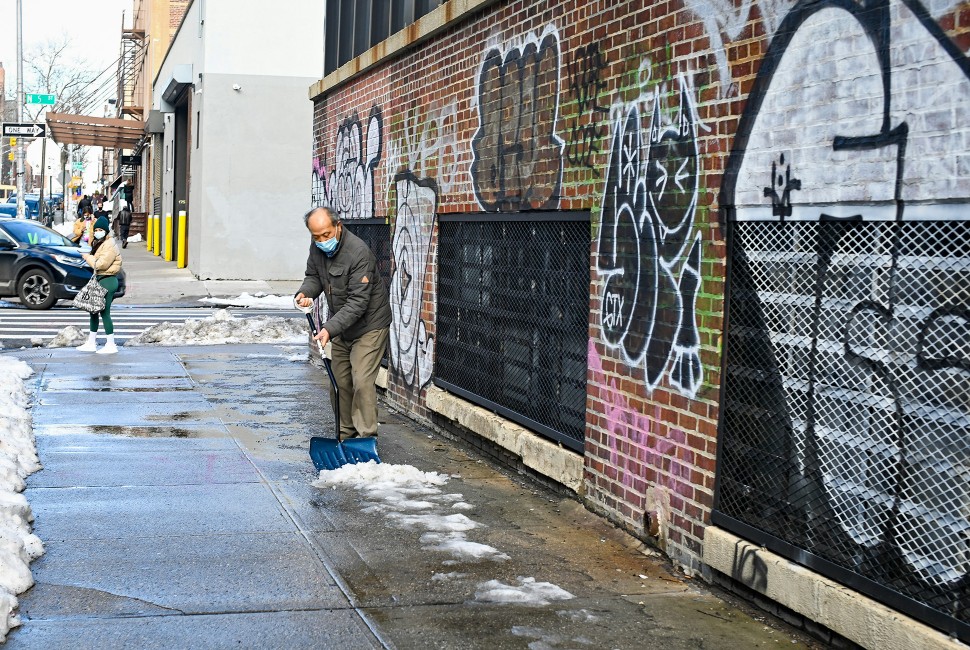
point(349, 188)
point(411, 347)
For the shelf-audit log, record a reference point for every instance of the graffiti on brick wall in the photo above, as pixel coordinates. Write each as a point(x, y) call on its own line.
point(586, 70)
point(722, 19)
point(348, 187)
point(426, 144)
point(648, 252)
point(874, 187)
point(411, 346)
point(516, 152)
point(636, 442)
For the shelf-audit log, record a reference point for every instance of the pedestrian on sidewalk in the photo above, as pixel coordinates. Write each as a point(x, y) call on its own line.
point(124, 225)
point(83, 227)
point(343, 268)
point(85, 204)
point(129, 194)
point(105, 259)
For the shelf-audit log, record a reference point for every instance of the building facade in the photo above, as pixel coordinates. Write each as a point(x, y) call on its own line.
point(230, 117)
point(716, 254)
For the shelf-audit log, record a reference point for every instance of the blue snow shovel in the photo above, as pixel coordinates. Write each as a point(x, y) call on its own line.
point(330, 453)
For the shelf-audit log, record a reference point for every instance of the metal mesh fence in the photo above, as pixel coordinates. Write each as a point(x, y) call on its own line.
point(845, 438)
point(512, 320)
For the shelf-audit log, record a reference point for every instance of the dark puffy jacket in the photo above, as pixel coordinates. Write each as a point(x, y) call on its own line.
point(356, 294)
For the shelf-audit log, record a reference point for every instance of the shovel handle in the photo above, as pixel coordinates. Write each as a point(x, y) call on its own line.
point(333, 380)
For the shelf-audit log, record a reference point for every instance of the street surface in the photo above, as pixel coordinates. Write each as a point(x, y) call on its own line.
point(177, 511)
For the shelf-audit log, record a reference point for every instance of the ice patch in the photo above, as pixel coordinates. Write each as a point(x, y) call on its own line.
point(441, 577)
point(18, 459)
point(527, 592)
point(224, 328)
point(256, 301)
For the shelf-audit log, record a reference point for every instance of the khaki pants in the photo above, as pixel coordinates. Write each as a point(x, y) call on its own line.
point(355, 366)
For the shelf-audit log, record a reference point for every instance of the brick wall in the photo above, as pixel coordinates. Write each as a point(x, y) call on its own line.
point(630, 111)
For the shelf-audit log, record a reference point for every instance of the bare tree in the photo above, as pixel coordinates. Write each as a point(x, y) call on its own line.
point(50, 68)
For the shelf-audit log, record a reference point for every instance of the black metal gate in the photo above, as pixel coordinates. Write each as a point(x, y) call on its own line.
point(513, 317)
point(845, 430)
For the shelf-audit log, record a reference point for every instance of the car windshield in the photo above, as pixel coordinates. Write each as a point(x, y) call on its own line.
point(26, 232)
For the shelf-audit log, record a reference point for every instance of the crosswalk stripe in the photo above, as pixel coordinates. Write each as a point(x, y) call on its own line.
point(19, 323)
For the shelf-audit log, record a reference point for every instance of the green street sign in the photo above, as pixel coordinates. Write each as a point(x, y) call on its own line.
point(34, 98)
point(78, 166)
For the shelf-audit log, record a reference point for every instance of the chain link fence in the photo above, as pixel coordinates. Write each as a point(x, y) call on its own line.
point(845, 439)
point(513, 317)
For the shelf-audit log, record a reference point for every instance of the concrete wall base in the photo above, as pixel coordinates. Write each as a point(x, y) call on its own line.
point(846, 612)
point(538, 454)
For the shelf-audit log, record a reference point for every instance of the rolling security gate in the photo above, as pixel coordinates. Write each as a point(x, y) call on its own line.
point(845, 432)
point(513, 317)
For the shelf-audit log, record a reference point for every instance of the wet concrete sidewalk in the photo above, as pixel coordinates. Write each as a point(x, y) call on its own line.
point(177, 511)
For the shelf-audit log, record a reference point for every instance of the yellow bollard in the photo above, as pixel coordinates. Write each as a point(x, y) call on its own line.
point(157, 239)
point(169, 236)
point(149, 227)
point(183, 231)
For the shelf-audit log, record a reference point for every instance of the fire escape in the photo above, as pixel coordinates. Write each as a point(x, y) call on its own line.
point(130, 92)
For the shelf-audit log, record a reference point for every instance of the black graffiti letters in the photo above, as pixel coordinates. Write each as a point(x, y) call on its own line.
point(517, 155)
point(585, 71)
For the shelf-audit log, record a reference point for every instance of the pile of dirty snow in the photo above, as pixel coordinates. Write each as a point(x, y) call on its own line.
point(18, 459)
point(224, 328)
point(257, 301)
point(69, 337)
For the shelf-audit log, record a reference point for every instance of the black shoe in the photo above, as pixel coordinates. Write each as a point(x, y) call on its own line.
point(124, 244)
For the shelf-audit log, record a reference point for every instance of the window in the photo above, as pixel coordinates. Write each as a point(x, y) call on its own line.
point(355, 26)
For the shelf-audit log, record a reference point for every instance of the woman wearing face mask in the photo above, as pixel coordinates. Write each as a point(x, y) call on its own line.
point(106, 262)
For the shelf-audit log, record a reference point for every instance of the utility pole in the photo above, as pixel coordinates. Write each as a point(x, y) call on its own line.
point(20, 107)
point(41, 206)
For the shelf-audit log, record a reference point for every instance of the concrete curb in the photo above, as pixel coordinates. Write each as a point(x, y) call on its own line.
point(848, 613)
point(539, 454)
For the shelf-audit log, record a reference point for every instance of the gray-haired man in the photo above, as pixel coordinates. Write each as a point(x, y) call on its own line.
point(344, 269)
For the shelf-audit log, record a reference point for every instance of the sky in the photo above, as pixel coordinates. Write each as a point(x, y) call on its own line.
point(95, 29)
point(94, 24)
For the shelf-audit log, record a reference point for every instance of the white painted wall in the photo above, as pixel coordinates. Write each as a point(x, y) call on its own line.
point(249, 187)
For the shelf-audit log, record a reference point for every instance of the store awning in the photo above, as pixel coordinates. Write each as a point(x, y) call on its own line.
point(108, 132)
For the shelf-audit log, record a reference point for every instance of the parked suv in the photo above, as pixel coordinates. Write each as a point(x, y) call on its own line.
point(40, 266)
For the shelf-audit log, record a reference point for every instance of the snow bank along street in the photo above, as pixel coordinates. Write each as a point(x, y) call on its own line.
point(18, 459)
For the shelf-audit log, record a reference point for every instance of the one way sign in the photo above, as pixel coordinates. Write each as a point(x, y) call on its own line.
point(24, 130)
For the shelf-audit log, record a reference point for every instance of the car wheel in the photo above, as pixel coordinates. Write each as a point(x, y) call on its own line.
point(36, 289)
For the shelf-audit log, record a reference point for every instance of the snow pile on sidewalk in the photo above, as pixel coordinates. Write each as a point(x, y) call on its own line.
point(69, 337)
point(256, 301)
point(18, 459)
point(134, 239)
point(224, 328)
point(414, 500)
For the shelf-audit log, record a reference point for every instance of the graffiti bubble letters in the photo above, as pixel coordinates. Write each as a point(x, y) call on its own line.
point(647, 218)
point(585, 72)
point(516, 154)
point(411, 347)
point(349, 188)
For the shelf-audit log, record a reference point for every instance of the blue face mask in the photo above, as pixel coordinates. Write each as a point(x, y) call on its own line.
point(328, 247)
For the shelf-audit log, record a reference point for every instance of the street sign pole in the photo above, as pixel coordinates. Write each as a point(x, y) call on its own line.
point(41, 206)
point(20, 108)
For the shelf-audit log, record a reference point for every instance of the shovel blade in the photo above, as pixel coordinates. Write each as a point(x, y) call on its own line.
point(327, 453)
point(361, 450)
